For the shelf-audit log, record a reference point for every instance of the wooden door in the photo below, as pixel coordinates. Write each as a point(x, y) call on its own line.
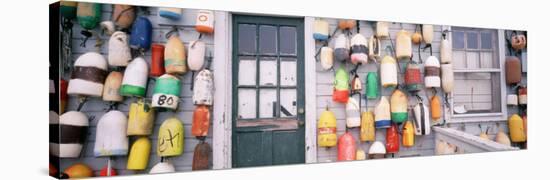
point(268, 91)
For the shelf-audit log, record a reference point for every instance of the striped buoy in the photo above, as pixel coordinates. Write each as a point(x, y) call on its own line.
point(167, 91)
point(134, 82)
point(175, 61)
point(68, 134)
point(359, 51)
point(88, 75)
point(382, 29)
point(320, 30)
point(413, 79)
point(382, 115)
point(341, 48)
point(431, 72)
point(398, 102)
point(341, 86)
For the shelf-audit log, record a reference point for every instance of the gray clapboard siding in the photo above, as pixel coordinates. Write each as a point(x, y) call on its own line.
point(96, 107)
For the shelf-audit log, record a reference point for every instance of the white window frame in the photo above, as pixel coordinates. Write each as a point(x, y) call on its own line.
point(483, 117)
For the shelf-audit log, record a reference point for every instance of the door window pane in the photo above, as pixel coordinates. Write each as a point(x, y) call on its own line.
point(268, 103)
point(247, 103)
point(268, 72)
point(247, 38)
point(288, 40)
point(268, 40)
point(472, 40)
point(288, 102)
point(288, 73)
point(247, 71)
point(458, 40)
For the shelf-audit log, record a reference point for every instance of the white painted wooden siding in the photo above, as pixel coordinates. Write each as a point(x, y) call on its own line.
point(96, 107)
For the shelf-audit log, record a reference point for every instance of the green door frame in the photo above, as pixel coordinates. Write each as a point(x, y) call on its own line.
point(298, 23)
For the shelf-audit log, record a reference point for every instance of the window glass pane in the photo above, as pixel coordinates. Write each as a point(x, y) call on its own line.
point(487, 60)
point(288, 102)
point(268, 101)
point(288, 40)
point(472, 40)
point(459, 59)
point(247, 38)
point(458, 40)
point(288, 72)
point(486, 40)
point(477, 92)
point(472, 60)
point(268, 40)
point(247, 71)
point(247, 103)
point(268, 72)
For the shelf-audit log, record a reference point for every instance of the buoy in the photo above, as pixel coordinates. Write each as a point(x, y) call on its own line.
point(68, 134)
point(111, 138)
point(512, 100)
point(367, 131)
point(446, 51)
point(163, 167)
point(356, 84)
point(327, 58)
point(341, 86)
point(203, 92)
point(111, 89)
point(513, 70)
point(398, 102)
point(519, 41)
point(141, 119)
point(170, 138)
point(522, 95)
point(157, 60)
point(67, 9)
point(428, 34)
point(372, 90)
point(435, 108)
point(413, 80)
point(134, 82)
point(502, 138)
point(170, 13)
point(119, 51)
point(346, 147)
point(431, 72)
point(353, 113)
point(205, 21)
point(359, 51)
point(175, 61)
point(201, 121)
point(388, 70)
point(139, 154)
point(123, 15)
point(403, 45)
point(416, 38)
point(392, 139)
point(167, 91)
point(78, 170)
point(341, 48)
point(517, 132)
point(195, 57)
point(326, 129)
point(374, 48)
point(408, 134)
point(382, 29)
point(88, 75)
point(360, 155)
point(377, 150)
point(201, 156)
point(422, 119)
point(88, 15)
point(382, 115)
point(320, 30)
point(346, 24)
point(142, 32)
point(447, 78)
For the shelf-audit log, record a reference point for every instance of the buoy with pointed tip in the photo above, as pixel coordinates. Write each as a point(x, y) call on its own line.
point(372, 89)
point(341, 86)
point(398, 106)
point(431, 72)
point(134, 82)
point(353, 113)
point(382, 115)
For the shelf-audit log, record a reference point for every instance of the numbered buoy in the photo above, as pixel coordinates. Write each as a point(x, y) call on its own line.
point(195, 58)
point(119, 51)
point(341, 86)
point(374, 48)
point(78, 170)
point(512, 100)
point(413, 80)
point(167, 91)
point(139, 154)
point(367, 131)
point(170, 138)
point(398, 102)
point(382, 115)
point(174, 56)
point(203, 92)
point(428, 34)
point(408, 134)
point(63, 96)
point(372, 89)
point(320, 30)
point(157, 60)
point(68, 134)
point(163, 167)
point(446, 51)
point(359, 51)
point(205, 21)
point(513, 70)
point(123, 15)
point(201, 156)
point(403, 45)
point(382, 29)
point(422, 119)
point(517, 133)
point(134, 82)
point(392, 139)
point(377, 150)
point(67, 9)
point(435, 108)
point(141, 117)
point(88, 75)
point(519, 41)
point(326, 129)
point(431, 72)
point(447, 78)
point(341, 48)
point(522, 95)
point(111, 89)
point(201, 121)
point(327, 55)
point(88, 15)
point(346, 24)
point(346, 147)
point(170, 13)
point(353, 113)
point(388, 70)
point(142, 32)
point(356, 84)
point(416, 38)
point(110, 137)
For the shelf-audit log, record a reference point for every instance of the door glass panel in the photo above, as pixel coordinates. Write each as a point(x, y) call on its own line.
point(247, 103)
point(288, 40)
point(288, 102)
point(247, 38)
point(268, 40)
point(247, 72)
point(268, 72)
point(458, 40)
point(268, 101)
point(472, 40)
point(288, 73)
